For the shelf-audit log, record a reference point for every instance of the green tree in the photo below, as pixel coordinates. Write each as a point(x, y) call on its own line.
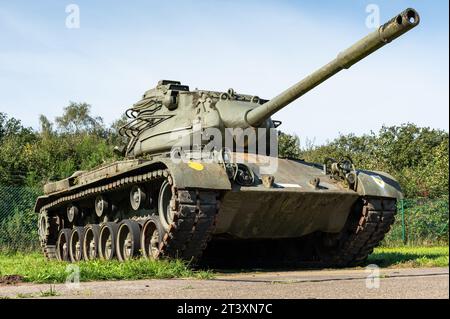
point(80, 143)
point(288, 146)
point(46, 126)
point(33, 158)
point(77, 119)
point(13, 138)
point(12, 126)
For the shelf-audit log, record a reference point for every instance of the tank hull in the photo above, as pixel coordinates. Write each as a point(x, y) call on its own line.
point(248, 213)
point(300, 201)
point(293, 207)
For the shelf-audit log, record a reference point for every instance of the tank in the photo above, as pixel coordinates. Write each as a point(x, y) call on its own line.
point(201, 180)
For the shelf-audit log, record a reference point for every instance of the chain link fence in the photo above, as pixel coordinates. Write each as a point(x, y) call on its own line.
point(418, 222)
point(18, 221)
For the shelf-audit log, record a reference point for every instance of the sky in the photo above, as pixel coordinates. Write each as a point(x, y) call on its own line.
point(122, 48)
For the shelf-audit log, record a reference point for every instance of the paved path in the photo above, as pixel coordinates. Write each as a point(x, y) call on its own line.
point(350, 283)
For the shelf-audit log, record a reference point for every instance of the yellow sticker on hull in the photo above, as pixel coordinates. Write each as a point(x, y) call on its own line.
point(196, 166)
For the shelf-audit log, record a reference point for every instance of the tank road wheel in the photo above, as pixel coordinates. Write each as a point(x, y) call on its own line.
point(137, 197)
point(62, 245)
point(76, 244)
point(107, 241)
point(366, 226)
point(128, 240)
point(151, 237)
point(90, 242)
point(166, 214)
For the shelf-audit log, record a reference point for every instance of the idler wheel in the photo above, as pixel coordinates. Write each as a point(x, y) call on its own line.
point(44, 226)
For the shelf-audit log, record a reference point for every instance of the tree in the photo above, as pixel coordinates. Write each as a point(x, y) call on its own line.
point(77, 119)
point(81, 142)
point(13, 138)
point(46, 125)
point(288, 146)
point(407, 145)
point(11, 126)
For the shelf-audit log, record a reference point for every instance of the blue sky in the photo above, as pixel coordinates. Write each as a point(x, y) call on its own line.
point(123, 48)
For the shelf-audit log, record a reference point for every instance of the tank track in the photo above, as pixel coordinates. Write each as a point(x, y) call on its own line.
point(194, 215)
point(363, 232)
point(194, 222)
point(49, 252)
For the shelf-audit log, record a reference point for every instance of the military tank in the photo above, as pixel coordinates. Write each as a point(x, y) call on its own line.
point(171, 197)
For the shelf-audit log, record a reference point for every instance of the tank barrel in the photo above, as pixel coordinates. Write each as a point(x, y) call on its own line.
point(389, 31)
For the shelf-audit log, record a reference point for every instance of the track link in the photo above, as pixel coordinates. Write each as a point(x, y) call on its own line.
point(362, 233)
point(194, 222)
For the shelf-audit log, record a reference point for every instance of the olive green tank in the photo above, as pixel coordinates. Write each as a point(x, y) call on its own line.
point(201, 180)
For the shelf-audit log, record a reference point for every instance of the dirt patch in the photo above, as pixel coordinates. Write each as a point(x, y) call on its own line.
point(11, 280)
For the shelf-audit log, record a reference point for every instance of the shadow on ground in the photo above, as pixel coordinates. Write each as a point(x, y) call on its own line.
point(384, 260)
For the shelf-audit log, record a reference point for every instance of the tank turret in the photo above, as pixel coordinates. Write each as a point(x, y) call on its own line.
point(171, 109)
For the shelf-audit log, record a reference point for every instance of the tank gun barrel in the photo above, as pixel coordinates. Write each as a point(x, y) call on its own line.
point(389, 31)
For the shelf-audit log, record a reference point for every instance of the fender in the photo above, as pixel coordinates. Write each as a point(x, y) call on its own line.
point(185, 175)
point(378, 184)
point(198, 175)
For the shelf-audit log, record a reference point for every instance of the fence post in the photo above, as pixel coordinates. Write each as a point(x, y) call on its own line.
point(402, 207)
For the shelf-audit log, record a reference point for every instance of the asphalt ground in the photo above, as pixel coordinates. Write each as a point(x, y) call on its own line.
point(346, 284)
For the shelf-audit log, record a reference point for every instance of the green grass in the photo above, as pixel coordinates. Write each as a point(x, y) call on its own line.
point(49, 293)
point(410, 256)
point(25, 296)
point(35, 268)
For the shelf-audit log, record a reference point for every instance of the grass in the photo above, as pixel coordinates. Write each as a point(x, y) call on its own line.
point(49, 293)
point(24, 296)
point(42, 294)
point(33, 267)
point(410, 256)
